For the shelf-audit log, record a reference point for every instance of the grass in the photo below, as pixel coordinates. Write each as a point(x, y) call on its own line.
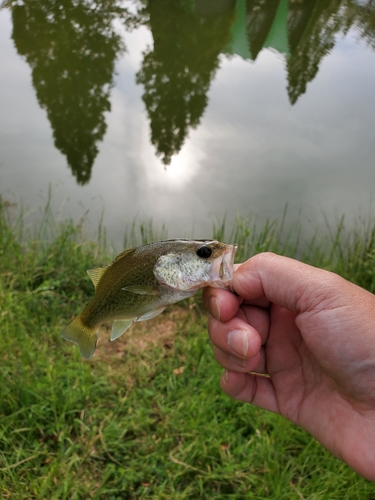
point(145, 417)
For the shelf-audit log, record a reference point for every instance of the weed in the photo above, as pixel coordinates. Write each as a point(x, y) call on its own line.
point(145, 417)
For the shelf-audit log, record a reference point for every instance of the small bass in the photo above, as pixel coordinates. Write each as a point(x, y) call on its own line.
point(141, 282)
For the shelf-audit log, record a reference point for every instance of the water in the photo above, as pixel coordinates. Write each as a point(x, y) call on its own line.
point(187, 111)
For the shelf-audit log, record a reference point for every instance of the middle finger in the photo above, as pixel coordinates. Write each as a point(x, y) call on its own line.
point(257, 317)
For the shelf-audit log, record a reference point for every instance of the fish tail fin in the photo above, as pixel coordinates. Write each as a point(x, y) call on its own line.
point(84, 336)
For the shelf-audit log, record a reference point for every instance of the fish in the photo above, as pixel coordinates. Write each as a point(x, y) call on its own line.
point(141, 282)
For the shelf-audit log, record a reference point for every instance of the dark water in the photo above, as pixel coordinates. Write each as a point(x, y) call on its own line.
point(184, 111)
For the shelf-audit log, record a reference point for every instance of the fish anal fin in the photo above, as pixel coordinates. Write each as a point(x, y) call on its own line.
point(96, 274)
point(151, 314)
point(141, 289)
point(119, 327)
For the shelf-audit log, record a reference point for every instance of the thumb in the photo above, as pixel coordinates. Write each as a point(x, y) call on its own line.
point(268, 277)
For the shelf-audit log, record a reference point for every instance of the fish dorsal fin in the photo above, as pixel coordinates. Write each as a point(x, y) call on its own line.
point(96, 274)
point(123, 254)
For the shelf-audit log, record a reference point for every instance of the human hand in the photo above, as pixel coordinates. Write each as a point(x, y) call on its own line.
point(313, 334)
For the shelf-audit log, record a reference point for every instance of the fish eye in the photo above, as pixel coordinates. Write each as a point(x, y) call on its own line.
point(204, 252)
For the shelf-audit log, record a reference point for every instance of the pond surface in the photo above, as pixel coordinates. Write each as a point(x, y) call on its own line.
point(187, 111)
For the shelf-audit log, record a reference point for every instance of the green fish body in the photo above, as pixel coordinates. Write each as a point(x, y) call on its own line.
point(142, 281)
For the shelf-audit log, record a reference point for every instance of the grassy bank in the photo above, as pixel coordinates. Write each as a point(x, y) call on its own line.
point(145, 417)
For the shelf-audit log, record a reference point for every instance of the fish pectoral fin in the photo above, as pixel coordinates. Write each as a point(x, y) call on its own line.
point(96, 274)
point(150, 314)
point(141, 289)
point(119, 327)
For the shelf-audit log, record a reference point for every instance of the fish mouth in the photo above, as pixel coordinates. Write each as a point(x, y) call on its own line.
point(222, 269)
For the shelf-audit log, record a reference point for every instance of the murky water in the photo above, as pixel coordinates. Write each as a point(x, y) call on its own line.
point(185, 111)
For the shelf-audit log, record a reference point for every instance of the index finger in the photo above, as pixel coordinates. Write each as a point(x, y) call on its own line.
point(222, 304)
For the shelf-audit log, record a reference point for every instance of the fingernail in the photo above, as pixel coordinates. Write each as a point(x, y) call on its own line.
point(238, 342)
point(226, 376)
point(215, 309)
point(238, 361)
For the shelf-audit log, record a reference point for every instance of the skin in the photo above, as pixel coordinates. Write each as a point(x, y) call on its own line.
point(313, 334)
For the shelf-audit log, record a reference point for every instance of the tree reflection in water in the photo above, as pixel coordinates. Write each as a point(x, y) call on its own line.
point(71, 48)
point(176, 73)
point(312, 29)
